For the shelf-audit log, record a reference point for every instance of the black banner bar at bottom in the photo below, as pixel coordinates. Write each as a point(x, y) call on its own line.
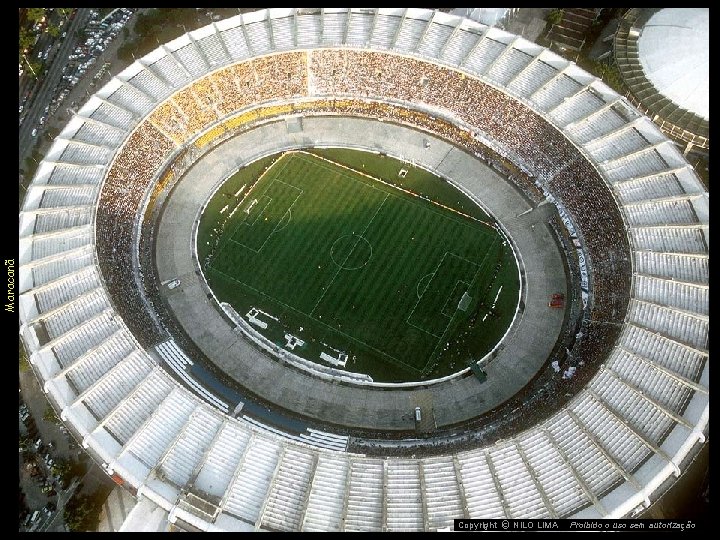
point(530, 525)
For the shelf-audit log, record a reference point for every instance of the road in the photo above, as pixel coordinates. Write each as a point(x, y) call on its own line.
point(44, 93)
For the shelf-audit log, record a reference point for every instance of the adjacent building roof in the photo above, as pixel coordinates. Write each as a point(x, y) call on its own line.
point(663, 56)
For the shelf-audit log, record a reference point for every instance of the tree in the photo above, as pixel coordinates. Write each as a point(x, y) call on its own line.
point(35, 14)
point(65, 12)
point(65, 469)
point(555, 16)
point(26, 40)
point(24, 442)
point(53, 30)
point(50, 416)
point(24, 364)
point(81, 513)
point(610, 74)
point(34, 69)
point(126, 50)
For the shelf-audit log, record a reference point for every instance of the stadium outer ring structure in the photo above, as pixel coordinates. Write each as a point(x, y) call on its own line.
point(596, 457)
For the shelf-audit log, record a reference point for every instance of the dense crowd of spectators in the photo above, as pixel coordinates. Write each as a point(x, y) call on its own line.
point(122, 194)
point(542, 150)
point(191, 110)
point(462, 110)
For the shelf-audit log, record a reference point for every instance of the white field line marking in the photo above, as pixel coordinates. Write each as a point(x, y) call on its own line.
point(349, 253)
point(452, 294)
point(428, 286)
point(356, 340)
point(228, 237)
point(395, 186)
point(480, 266)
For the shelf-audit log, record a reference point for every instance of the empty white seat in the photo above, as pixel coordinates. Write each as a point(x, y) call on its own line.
point(681, 359)
point(69, 196)
point(483, 499)
point(675, 239)
point(385, 29)
point(484, 54)
point(434, 39)
point(458, 46)
point(171, 71)
point(221, 460)
point(677, 212)
point(212, 49)
point(555, 91)
point(365, 495)
point(357, 32)
point(117, 384)
point(113, 115)
point(189, 447)
point(619, 441)
point(442, 492)
point(532, 78)
point(593, 467)
point(619, 144)
point(578, 106)
point(91, 366)
point(259, 35)
point(643, 416)
point(131, 99)
point(162, 428)
point(61, 291)
point(286, 500)
point(67, 240)
point(333, 28)
point(404, 506)
point(673, 266)
point(510, 62)
point(150, 84)
point(675, 294)
point(62, 218)
point(676, 325)
point(191, 59)
point(656, 383)
point(64, 174)
point(555, 476)
point(85, 154)
point(632, 166)
point(138, 406)
point(235, 43)
point(247, 494)
point(94, 133)
point(53, 269)
point(75, 313)
point(327, 493)
point(519, 491)
point(283, 33)
point(661, 185)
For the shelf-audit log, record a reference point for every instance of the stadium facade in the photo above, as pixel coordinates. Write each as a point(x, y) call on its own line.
point(637, 207)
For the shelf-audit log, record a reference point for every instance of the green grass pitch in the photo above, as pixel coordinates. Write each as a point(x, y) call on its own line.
point(405, 275)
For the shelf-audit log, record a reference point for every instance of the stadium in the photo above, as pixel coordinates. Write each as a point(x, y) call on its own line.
point(252, 150)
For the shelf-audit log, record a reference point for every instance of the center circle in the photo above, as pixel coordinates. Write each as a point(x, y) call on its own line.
point(351, 252)
point(359, 265)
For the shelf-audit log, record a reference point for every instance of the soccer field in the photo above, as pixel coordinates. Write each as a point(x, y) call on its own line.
point(369, 277)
